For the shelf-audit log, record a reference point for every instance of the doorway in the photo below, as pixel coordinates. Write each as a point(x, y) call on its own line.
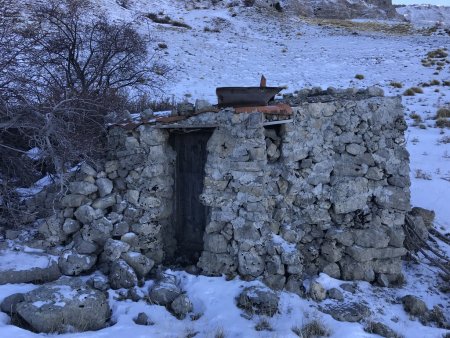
point(190, 216)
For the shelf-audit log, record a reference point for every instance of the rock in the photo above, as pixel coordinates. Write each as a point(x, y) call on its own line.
point(181, 306)
point(105, 186)
point(73, 200)
point(216, 243)
point(381, 329)
point(85, 214)
point(99, 282)
point(414, 306)
point(87, 169)
point(120, 229)
point(9, 304)
point(140, 263)
point(104, 202)
point(82, 188)
point(34, 268)
point(258, 300)
point(122, 275)
point(332, 270)
point(84, 247)
point(11, 234)
point(349, 312)
point(135, 294)
point(147, 114)
point(251, 263)
point(427, 215)
point(164, 291)
point(294, 284)
point(335, 294)
point(99, 231)
point(65, 306)
point(202, 106)
point(350, 194)
point(113, 249)
point(352, 288)
point(375, 91)
point(70, 226)
point(317, 291)
point(371, 238)
point(73, 264)
point(142, 319)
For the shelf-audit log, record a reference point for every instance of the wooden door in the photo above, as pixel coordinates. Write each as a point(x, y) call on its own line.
point(190, 216)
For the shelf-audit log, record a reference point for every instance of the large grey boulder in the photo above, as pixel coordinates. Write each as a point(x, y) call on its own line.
point(9, 304)
point(259, 300)
point(64, 306)
point(114, 248)
point(122, 275)
point(164, 291)
point(72, 263)
point(21, 267)
point(85, 214)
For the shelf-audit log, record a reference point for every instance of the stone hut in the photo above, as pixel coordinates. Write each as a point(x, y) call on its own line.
point(273, 192)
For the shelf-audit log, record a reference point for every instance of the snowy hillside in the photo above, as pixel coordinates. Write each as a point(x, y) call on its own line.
point(221, 46)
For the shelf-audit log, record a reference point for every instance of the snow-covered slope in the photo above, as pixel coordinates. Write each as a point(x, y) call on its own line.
point(426, 15)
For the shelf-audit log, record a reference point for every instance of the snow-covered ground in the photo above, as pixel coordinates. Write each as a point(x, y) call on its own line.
point(288, 51)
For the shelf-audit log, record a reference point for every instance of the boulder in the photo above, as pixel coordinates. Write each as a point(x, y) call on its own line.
point(85, 214)
point(317, 291)
point(381, 329)
point(104, 202)
point(72, 263)
point(181, 306)
point(350, 312)
point(414, 306)
point(335, 294)
point(259, 300)
point(105, 186)
point(9, 304)
point(142, 319)
point(73, 200)
point(114, 248)
point(140, 263)
point(21, 267)
point(164, 291)
point(64, 306)
point(122, 275)
point(70, 226)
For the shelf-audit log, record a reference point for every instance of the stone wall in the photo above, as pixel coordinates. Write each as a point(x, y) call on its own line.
point(327, 192)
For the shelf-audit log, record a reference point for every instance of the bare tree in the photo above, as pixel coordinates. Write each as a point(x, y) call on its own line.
point(60, 74)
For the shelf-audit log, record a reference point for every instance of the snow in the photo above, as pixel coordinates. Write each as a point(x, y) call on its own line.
point(288, 51)
point(20, 261)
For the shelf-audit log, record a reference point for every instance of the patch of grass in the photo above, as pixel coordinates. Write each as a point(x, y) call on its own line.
point(420, 174)
point(409, 92)
point(446, 83)
point(311, 330)
point(417, 90)
point(166, 20)
point(444, 140)
point(442, 123)
point(396, 29)
point(416, 117)
point(359, 76)
point(443, 113)
point(162, 45)
point(396, 84)
point(219, 333)
point(437, 54)
point(435, 82)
